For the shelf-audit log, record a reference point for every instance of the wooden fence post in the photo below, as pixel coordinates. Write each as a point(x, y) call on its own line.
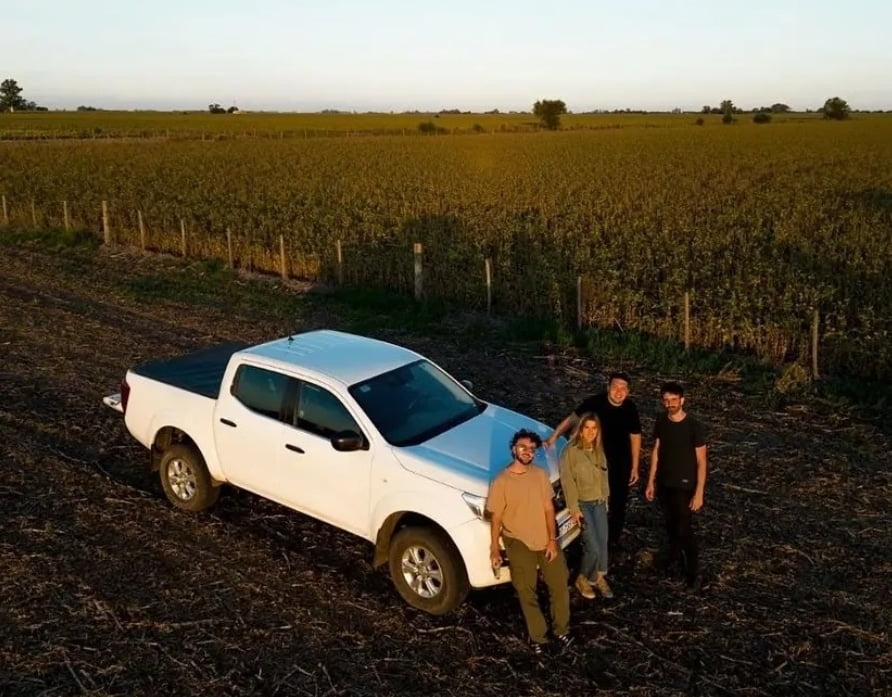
point(229, 247)
point(283, 260)
point(65, 217)
point(487, 265)
point(183, 237)
point(815, 328)
point(33, 213)
point(106, 230)
point(340, 251)
point(579, 302)
point(419, 286)
point(5, 211)
point(142, 230)
point(687, 320)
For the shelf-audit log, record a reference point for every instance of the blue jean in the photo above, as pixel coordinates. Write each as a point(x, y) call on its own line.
point(594, 538)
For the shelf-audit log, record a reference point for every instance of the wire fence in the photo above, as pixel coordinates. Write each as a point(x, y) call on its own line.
point(485, 283)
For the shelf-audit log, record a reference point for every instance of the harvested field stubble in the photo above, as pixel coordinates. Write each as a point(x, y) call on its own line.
point(109, 591)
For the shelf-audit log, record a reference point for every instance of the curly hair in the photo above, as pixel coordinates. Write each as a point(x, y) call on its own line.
point(525, 433)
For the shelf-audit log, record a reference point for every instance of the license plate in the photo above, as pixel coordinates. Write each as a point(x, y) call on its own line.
point(565, 526)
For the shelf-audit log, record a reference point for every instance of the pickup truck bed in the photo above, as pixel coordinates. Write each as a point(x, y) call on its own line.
point(200, 372)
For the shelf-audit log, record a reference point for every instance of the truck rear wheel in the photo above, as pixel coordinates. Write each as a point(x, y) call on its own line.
point(427, 570)
point(186, 480)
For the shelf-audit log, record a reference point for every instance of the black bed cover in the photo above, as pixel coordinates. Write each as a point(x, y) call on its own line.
point(200, 372)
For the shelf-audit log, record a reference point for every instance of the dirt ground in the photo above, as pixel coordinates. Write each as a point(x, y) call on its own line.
point(105, 589)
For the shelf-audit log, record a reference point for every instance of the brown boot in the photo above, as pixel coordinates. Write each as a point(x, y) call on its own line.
point(584, 587)
point(603, 587)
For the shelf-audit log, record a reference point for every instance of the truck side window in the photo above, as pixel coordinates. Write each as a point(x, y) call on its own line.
point(320, 412)
point(260, 390)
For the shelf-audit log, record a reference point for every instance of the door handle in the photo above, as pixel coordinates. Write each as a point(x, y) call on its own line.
point(294, 448)
point(228, 422)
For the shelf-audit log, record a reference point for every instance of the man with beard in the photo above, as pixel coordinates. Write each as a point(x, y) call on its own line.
point(520, 501)
point(621, 429)
point(678, 479)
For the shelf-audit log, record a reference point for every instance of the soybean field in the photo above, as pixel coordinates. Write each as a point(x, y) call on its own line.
point(609, 223)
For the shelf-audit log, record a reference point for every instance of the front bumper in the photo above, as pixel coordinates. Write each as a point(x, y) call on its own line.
point(472, 539)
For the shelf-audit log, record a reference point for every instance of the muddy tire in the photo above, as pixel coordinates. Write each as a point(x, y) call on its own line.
point(185, 479)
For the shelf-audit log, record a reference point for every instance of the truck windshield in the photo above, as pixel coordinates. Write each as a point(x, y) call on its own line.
point(414, 403)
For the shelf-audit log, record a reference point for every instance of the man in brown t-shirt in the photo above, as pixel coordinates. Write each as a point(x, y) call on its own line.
point(520, 501)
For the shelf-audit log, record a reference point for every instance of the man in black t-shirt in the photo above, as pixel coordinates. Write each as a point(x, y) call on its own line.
point(678, 477)
point(621, 429)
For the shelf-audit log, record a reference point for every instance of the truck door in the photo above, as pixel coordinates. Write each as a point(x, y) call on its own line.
point(329, 484)
point(250, 428)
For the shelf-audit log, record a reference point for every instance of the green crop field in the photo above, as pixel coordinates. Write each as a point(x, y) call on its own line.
point(763, 225)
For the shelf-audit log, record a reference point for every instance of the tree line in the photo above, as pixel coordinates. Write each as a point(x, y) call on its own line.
point(834, 108)
point(548, 111)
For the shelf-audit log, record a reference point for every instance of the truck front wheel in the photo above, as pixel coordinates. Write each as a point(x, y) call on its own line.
point(427, 570)
point(186, 480)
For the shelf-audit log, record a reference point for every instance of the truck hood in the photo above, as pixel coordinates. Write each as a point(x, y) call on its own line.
point(469, 456)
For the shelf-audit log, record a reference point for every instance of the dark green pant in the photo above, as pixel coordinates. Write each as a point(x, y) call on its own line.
point(524, 576)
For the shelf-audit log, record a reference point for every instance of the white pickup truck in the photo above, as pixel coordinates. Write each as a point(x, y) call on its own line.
point(364, 435)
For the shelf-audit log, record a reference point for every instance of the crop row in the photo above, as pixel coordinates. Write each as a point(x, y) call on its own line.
point(761, 225)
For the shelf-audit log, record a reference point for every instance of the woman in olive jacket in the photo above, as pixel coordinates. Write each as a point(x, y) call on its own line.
point(586, 488)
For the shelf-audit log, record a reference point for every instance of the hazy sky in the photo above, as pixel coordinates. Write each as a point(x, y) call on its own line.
point(388, 55)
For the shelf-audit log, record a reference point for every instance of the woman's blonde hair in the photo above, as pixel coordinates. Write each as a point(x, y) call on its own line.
point(576, 438)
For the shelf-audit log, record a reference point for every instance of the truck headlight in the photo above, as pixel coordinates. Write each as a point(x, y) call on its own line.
point(477, 504)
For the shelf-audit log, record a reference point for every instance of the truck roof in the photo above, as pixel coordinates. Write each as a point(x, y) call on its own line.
point(348, 358)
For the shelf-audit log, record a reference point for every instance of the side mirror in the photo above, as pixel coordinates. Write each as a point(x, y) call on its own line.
point(347, 441)
point(468, 385)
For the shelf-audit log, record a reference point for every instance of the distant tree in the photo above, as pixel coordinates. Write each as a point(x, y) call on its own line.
point(780, 108)
point(836, 108)
point(87, 108)
point(762, 117)
point(11, 96)
point(232, 110)
point(706, 109)
point(549, 111)
point(728, 110)
point(216, 109)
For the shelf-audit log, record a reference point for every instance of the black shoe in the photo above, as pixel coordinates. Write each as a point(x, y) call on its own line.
point(565, 641)
point(693, 584)
point(537, 649)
